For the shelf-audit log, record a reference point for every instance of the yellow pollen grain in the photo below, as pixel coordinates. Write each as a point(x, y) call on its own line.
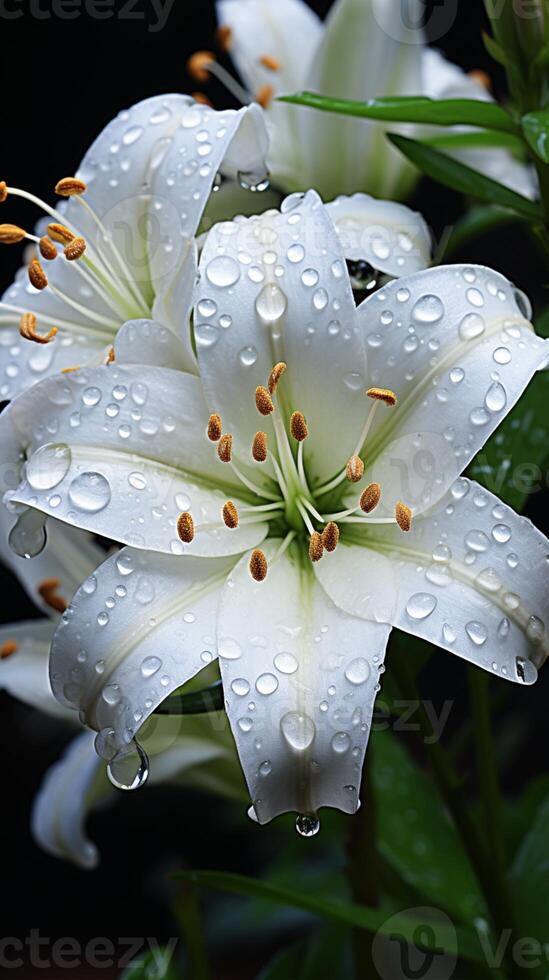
point(267, 60)
point(27, 329)
point(59, 233)
point(48, 250)
point(275, 376)
point(316, 546)
point(258, 565)
point(3, 191)
point(259, 447)
point(230, 515)
point(370, 497)
point(298, 426)
point(382, 395)
point(354, 471)
point(11, 234)
point(70, 370)
point(263, 401)
point(330, 536)
point(224, 37)
point(225, 448)
point(215, 428)
point(202, 99)
point(264, 95)
point(37, 275)
point(185, 527)
point(196, 65)
point(70, 187)
point(403, 516)
point(8, 648)
point(75, 249)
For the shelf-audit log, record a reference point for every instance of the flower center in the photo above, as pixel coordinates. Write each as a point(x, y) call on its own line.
point(295, 510)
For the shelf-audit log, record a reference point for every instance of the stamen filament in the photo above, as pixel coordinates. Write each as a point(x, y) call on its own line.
point(284, 546)
point(312, 510)
point(129, 280)
point(308, 523)
point(332, 484)
point(251, 485)
point(230, 83)
point(85, 311)
point(53, 322)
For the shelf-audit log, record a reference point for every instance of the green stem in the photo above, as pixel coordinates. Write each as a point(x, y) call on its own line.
point(487, 771)
point(187, 913)
point(363, 869)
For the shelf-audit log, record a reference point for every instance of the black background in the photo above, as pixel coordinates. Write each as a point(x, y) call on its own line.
point(61, 82)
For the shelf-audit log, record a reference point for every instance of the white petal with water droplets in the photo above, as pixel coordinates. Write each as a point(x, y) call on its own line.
point(436, 339)
point(300, 679)
point(24, 674)
point(137, 629)
point(148, 342)
point(470, 576)
point(390, 237)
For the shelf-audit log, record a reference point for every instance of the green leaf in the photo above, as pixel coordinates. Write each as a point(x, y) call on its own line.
point(415, 833)
point(460, 177)
point(158, 967)
point(475, 140)
point(477, 221)
point(530, 881)
point(512, 463)
point(346, 913)
point(325, 954)
point(494, 50)
point(193, 702)
point(535, 126)
point(413, 109)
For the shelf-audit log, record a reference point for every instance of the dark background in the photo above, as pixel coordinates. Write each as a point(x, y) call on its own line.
point(61, 82)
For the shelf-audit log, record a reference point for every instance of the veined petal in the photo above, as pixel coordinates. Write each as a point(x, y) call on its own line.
point(173, 307)
point(390, 237)
point(456, 346)
point(300, 679)
point(139, 628)
point(23, 363)
point(470, 576)
point(275, 288)
point(24, 674)
point(147, 342)
point(129, 454)
point(368, 50)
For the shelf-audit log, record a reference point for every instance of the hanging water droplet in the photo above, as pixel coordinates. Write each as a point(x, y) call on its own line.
point(298, 730)
point(48, 466)
point(129, 770)
point(254, 182)
point(271, 303)
point(421, 605)
point(526, 671)
point(28, 537)
point(90, 492)
point(307, 824)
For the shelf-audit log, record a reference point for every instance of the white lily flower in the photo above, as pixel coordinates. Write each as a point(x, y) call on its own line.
point(316, 525)
point(365, 49)
point(127, 233)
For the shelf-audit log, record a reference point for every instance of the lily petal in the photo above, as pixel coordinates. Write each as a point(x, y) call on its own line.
point(293, 303)
point(470, 576)
point(125, 463)
point(137, 629)
point(24, 674)
point(475, 325)
point(390, 237)
point(300, 679)
point(149, 342)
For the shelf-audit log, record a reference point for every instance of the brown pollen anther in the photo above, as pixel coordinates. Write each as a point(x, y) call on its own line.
point(75, 249)
point(298, 426)
point(70, 187)
point(259, 447)
point(230, 515)
point(264, 95)
point(59, 233)
point(316, 546)
point(275, 376)
point(403, 516)
point(370, 497)
point(8, 648)
point(27, 329)
point(47, 589)
point(11, 234)
point(482, 78)
point(263, 401)
point(224, 37)
point(215, 428)
point(354, 471)
point(48, 250)
point(267, 60)
point(185, 527)
point(37, 275)
point(330, 536)
point(258, 565)
point(202, 99)
point(111, 356)
point(225, 448)
point(196, 65)
point(3, 191)
point(382, 395)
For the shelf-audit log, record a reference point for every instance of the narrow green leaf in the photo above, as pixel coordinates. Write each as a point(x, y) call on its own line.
point(494, 49)
point(530, 883)
point(413, 109)
point(372, 920)
point(475, 140)
point(460, 177)
point(535, 126)
point(158, 967)
point(193, 702)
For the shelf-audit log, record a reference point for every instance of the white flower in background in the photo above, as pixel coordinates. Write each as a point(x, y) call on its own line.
point(121, 246)
point(291, 503)
point(365, 49)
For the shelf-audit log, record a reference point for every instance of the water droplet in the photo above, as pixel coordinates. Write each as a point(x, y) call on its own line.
point(448, 634)
point(421, 605)
point(489, 580)
point(137, 481)
point(150, 666)
point(477, 540)
point(206, 335)
point(358, 671)
point(266, 684)
point(240, 687)
point(286, 663)
point(265, 768)
point(27, 537)
point(248, 356)
point(298, 730)
point(125, 564)
point(250, 181)
point(471, 326)
point(501, 533)
point(229, 649)
point(341, 743)
point(132, 135)
point(307, 824)
point(457, 375)
point(496, 397)
point(475, 297)
point(428, 309)
point(477, 632)
point(90, 492)
point(245, 724)
point(535, 628)
point(296, 253)
point(48, 466)
point(207, 308)
point(222, 271)
point(129, 770)
point(271, 303)
point(502, 355)
point(320, 299)
point(309, 277)
point(526, 671)
point(91, 397)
